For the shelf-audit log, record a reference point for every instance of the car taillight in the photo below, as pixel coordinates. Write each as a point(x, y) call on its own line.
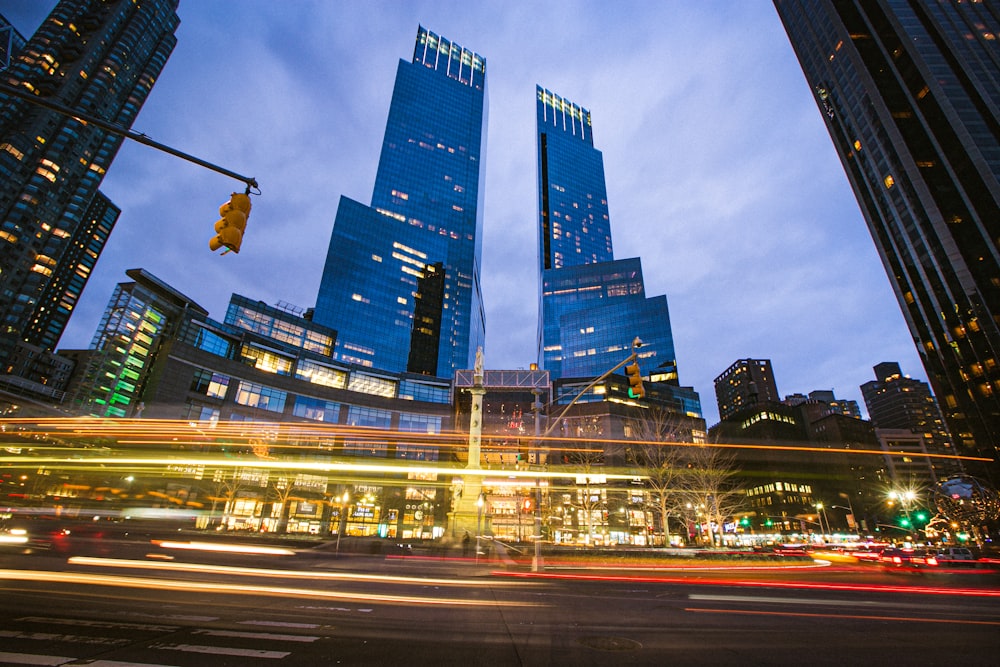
point(931, 560)
point(897, 559)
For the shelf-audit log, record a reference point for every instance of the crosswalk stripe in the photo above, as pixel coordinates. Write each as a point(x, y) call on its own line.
point(221, 650)
point(257, 635)
point(32, 659)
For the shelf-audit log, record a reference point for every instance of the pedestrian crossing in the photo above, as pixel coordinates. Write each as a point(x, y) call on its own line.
point(42, 640)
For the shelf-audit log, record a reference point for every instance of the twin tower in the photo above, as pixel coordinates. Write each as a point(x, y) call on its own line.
point(401, 283)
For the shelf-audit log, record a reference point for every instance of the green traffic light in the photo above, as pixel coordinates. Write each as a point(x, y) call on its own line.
point(904, 522)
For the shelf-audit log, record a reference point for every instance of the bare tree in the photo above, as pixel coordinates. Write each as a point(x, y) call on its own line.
point(281, 488)
point(590, 495)
point(707, 484)
point(226, 484)
point(659, 461)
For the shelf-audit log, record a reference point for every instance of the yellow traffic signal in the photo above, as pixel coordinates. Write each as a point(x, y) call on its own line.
point(229, 229)
point(634, 374)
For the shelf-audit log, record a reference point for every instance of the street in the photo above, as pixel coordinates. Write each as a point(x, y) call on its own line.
point(144, 607)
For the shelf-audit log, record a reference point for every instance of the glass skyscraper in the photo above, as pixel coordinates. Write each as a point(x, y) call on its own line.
point(910, 93)
point(591, 306)
point(401, 280)
point(101, 58)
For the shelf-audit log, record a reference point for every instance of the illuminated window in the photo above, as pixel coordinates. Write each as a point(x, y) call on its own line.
point(258, 396)
point(889, 181)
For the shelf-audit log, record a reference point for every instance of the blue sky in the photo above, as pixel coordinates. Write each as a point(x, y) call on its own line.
point(721, 175)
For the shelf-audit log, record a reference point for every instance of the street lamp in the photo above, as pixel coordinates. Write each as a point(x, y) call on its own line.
point(821, 515)
point(480, 501)
point(343, 517)
point(905, 498)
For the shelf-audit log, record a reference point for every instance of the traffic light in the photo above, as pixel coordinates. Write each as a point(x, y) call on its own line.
point(229, 229)
point(635, 389)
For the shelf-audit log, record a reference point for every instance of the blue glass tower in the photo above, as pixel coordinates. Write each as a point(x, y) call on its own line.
point(401, 280)
point(591, 306)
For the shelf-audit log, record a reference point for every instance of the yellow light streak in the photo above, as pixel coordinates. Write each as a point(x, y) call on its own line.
point(90, 579)
point(226, 548)
point(312, 575)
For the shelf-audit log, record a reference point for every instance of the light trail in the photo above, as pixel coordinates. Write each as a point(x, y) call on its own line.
point(269, 572)
point(852, 617)
point(90, 579)
point(225, 548)
point(273, 433)
point(799, 585)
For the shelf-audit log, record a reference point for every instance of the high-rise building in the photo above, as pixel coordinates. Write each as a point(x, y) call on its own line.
point(745, 384)
point(898, 402)
point(102, 59)
point(112, 375)
point(401, 280)
point(591, 306)
point(11, 42)
point(910, 93)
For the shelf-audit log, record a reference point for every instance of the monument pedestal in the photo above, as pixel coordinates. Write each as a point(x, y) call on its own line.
point(466, 515)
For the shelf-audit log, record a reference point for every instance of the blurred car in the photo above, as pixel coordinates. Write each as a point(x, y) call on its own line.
point(955, 555)
point(907, 558)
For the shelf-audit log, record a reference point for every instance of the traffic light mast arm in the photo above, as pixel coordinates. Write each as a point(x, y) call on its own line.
point(251, 183)
point(630, 358)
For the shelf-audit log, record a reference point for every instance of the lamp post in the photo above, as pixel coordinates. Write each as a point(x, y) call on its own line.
point(480, 501)
point(343, 518)
point(820, 514)
point(853, 523)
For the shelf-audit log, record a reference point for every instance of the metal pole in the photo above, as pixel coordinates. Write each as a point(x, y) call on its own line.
point(251, 183)
point(536, 561)
point(343, 519)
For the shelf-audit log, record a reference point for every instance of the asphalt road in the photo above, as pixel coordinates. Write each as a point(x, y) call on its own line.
point(134, 605)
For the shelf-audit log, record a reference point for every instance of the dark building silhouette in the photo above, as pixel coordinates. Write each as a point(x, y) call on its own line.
point(102, 59)
point(745, 384)
point(910, 93)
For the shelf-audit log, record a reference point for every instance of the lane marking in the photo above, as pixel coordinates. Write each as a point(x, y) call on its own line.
point(32, 659)
point(120, 625)
point(257, 635)
point(282, 624)
point(56, 637)
point(750, 598)
point(119, 663)
point(221, 650)
point(860, 617)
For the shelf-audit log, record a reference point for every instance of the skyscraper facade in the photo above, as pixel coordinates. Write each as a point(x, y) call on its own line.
point(111, 376)
point(910, 93)
point(898, 402)
point(101, 58)
point(591, 306)
point(11, 42)
point(401, 280)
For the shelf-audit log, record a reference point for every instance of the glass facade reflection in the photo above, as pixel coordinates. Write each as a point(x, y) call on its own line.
point(910, 93)
point(591, 306)
point(100, 58)
point(401, 280)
